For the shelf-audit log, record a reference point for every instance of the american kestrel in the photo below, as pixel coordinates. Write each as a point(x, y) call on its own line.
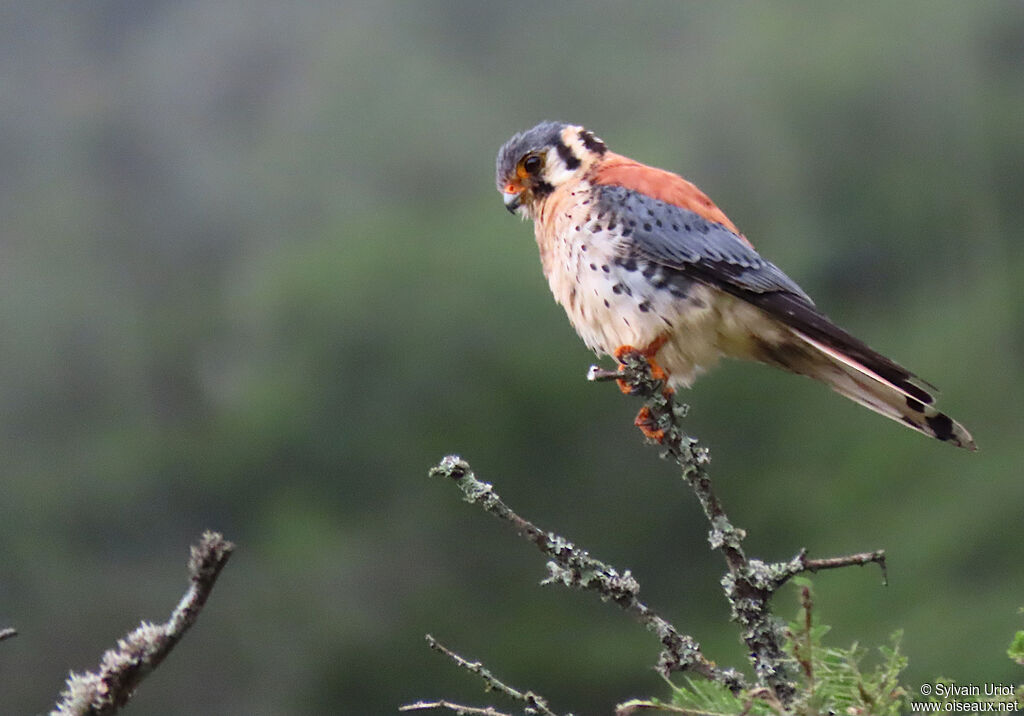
point(642, 260)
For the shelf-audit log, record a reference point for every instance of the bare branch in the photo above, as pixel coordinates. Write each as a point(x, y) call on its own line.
point(574, 567)
point(459, 709)
point(7, 633)
point(535, 702)
point(801, 564)
point(121, 669)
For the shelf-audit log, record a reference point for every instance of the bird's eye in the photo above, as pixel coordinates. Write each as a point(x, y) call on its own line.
point(532, 164)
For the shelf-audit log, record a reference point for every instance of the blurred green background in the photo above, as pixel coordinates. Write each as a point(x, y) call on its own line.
point(256, 277)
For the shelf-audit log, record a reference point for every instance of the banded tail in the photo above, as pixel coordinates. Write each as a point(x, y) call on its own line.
point(877, 383)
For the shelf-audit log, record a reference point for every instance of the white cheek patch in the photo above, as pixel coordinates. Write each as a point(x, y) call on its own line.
point(557, 173)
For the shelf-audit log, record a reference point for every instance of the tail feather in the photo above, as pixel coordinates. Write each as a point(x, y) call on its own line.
point(905, 402)
point(815, 328)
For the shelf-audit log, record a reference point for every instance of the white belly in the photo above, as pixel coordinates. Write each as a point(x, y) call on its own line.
point(613, 301)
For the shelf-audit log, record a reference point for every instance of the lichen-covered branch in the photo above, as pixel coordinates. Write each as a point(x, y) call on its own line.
point(574, 567)
point(106, 690)
point(749, 583)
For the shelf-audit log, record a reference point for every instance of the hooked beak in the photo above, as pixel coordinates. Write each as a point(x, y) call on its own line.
point(512, 200)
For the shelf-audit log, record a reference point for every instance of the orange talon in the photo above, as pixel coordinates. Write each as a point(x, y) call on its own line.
point(619, 353)
point(647, 425)
point(657, 372)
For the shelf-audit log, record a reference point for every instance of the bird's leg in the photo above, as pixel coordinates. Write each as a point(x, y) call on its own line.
point(647, 423)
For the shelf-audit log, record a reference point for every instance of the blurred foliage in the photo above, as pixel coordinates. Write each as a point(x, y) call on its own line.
point(256, 278)
point(1016, 650)
point(839, 681)
point(833, 680)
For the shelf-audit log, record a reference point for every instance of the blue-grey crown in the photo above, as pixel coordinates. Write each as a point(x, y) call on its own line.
point(545, 134)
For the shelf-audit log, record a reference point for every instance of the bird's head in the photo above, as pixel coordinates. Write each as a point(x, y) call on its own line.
point(532, 164)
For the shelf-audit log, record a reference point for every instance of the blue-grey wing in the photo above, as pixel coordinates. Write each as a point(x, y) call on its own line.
point(683, 240)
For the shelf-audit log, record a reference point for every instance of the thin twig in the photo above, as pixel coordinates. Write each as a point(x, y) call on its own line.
point(876, 557)
point(781, 572)
point(534, 701)
point(121, 669)
point(459, 709)
point(803, 651)
point(574, 567)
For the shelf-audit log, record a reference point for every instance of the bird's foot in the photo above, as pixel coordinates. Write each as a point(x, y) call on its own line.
point(647, 420)
point(624, 352)
point(649, 425)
